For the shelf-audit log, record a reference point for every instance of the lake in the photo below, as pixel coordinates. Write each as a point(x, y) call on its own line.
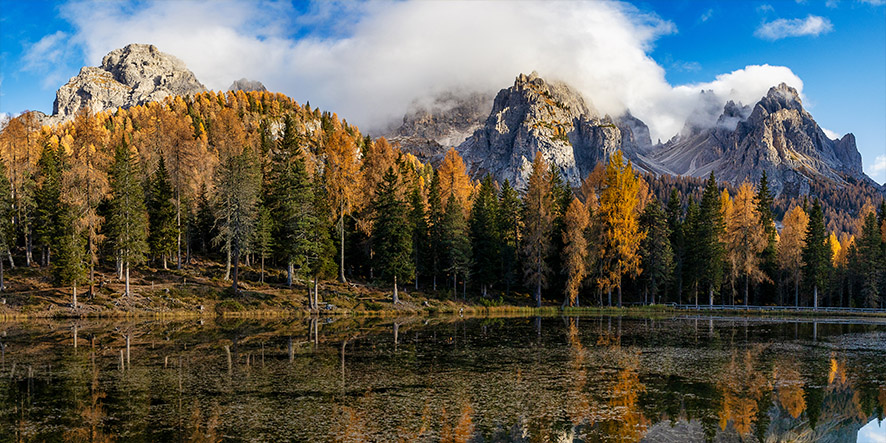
point(589, 378)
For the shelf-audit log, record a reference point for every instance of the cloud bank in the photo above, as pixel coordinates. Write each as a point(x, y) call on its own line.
point(369, 61)
point(812, 25)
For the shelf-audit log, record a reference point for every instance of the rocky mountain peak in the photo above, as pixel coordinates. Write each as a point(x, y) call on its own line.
point(129, 76)
point(781, 97)
point(247, 85)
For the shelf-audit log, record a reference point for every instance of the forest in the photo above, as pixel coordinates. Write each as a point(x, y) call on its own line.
point(254, 179)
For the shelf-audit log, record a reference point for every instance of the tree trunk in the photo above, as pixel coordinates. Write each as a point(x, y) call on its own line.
point(228, 264)
point(797, 292)
point(2, 282)
point(289, 272)
point(435, 282)
point(178, 223)
point(164, 262)
point(454, 286)
point(119, 267)
point(74, 290)
point(262, 277)
point(711, 295)
point(609, 295)
point(538, 294)
point(815, 297)
point(28, 249)
point(619, 291)
point(396, 297)
point(126, 291)
point(746, 284)
point(341, 265)
point(316, 293)
point(236, 254)
point(464, 289)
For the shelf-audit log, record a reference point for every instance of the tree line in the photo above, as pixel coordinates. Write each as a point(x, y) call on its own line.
point(256, 177)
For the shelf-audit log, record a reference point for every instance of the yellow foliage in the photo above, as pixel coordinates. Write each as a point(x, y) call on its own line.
point(454, 178)
point(621, 228)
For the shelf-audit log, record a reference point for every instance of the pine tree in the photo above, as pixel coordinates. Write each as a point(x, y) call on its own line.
point(746, 238)
point(205, 220)
point(561, 195)
point(710, 228)
point(656, 255)
point(621, 229)
point(675, 227)
point(769, 257)
point(693, 263)
point(867, 262)
point(509, 228)
point(237, 184)
point(418, 220)
point(485, 237)
point(264, 239)
point(436, 214)
point(456, 241)
point(48, 198)
point(6, 215)
point(128, 221)
point(575, 249)
point(537, 226)
point(816, 253)
point(791, 245)
point(391, 233)
point(163, 235)
point(68, 267)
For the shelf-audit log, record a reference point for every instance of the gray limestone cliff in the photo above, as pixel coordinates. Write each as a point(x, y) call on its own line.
point(130, 76)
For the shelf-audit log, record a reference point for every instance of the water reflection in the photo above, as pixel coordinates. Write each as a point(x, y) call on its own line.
point(453, 380)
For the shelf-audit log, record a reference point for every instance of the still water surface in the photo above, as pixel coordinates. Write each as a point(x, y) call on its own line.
point(444, 379)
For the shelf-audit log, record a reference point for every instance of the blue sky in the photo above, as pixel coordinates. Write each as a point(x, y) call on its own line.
point(369, 61)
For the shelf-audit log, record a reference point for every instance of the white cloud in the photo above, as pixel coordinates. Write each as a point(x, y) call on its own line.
point(831, 134)
point(45, 56)
point(706, 15)
point(877, 170)
point(874, 2)
point(781, 28)
point(369, 61)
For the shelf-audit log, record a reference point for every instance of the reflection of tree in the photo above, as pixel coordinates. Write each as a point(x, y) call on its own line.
point(789, 388)
point(841, 402)
point(630, 423)
point(92, 414)
point(742, 387)
point(353, 427)
point(578, 406)
point(199, 433)
point(463, 430)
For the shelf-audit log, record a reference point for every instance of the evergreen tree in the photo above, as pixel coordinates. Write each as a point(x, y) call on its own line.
point(163, 235)
point(6, 214)
point(537, 226)
point(48, 199)
point(264, 239)
point(656, 255)
point(204, 225)
point(391, 233)
point(237, 184)
point(769, 257)
point(693, 263)
point(675, 227)
point(68, 267)
point(867, 262)
point(561, 196)
point(436, 214)
point(711, 252)
point(418, 220)
point(485, 236)
point(456, 241)
point(816, 253)
point(509, 228)
point(128, 221)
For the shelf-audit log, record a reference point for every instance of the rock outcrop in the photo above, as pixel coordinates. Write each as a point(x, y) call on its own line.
point(133, 75)
point(550, 118)
point(778, 136)
point(247, 85)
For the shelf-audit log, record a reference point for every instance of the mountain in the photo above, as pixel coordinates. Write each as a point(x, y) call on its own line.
point(553, 119)
point(247, 85)
point(777, 136)
point(133, 75)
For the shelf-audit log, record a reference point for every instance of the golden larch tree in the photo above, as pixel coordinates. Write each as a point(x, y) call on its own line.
point(790, 246)
point(342, 180)
point(454, 178)
point(621, 227)
point(538, 222)
point(575, 249)
point(745, 238)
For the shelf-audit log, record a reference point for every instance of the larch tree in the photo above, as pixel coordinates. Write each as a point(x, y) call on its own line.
point(538, 219)
point(128, 217)
point(485, 236)
point(6, 216)
point(86, 182)
point(20, 149)
point(391, 234)
point(509, 209)
point(656, 255)
point(746, 238)
point(790, 247)
point(454, 178)
point(575, 249)
point(162, 215)
point(621, 228)
point(237, 185)
point(816, 253)
point(342, 178)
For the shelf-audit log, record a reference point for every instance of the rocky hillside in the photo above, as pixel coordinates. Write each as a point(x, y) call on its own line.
point(133, 75)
